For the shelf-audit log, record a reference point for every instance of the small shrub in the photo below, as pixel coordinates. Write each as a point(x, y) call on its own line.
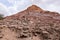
point(1, 16)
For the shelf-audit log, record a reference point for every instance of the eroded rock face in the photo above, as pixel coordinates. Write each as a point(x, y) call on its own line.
point(31, 24)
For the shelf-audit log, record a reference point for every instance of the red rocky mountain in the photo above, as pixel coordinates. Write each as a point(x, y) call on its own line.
point(33, 23)
point(35, 10)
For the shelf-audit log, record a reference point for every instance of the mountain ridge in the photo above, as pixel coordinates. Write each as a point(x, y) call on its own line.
point(32, 9)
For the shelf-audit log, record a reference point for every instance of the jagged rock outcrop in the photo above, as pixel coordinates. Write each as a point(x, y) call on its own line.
point(33, 23)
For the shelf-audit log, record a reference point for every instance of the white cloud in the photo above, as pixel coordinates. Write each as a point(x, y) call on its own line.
point(3, 9)
point(18, 5)
point(11, 1)
point(12, 10)
point(51, 5)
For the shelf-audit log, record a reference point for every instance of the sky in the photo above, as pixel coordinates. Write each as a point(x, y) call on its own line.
point(10, 7)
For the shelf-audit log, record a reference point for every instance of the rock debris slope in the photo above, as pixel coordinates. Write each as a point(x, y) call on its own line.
point(31, 24)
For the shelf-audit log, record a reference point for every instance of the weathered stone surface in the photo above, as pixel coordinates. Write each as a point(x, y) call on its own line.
point(31, 24)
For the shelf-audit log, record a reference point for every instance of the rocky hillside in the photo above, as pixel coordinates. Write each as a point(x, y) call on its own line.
point(33, 23)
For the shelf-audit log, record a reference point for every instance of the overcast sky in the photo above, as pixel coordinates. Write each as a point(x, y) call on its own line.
point(10, 7)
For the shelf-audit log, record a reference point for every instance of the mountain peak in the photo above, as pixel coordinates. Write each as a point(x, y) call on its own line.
point(34, 8)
